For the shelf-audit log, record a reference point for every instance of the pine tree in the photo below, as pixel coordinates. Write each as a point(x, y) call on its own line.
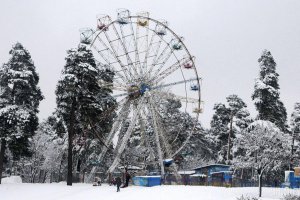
point(228, 121)
point(266, 93)
point(219, 130)
point(19, 100)
point(239, 119)
point(86, 108)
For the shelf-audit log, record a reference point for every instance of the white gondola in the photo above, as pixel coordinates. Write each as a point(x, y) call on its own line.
point(161, 28)
point(86, 35)
point(176, 43)
point(123, 16)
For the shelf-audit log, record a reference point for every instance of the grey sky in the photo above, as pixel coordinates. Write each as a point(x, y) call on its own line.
point(226, 37)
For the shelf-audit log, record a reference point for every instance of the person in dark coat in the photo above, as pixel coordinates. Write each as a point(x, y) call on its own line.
point(118, 182)
point(127, 178)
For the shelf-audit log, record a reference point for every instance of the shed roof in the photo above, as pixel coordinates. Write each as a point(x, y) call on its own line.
point(198, 175)
point(222, 172)
point(211, 165)
point(130, 167)
point(188, 172)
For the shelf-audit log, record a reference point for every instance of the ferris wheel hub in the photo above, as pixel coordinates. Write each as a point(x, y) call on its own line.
point(135, 91)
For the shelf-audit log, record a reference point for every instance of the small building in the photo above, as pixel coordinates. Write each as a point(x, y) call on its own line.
point(186, 176)
point(214, 174)
point(292, 178)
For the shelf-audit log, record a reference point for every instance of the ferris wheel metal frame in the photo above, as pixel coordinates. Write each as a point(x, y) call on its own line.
point(140, 85)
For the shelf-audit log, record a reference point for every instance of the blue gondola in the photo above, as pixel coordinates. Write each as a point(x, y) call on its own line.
point(194, 88)
point(168, 162)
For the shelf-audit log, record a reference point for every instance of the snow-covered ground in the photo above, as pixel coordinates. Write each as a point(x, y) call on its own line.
point(60, 191)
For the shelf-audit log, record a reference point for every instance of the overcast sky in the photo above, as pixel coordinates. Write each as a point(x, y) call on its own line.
point(226, 37)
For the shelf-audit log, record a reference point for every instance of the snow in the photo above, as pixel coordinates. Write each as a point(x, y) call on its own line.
point(222, 172)
point(12, 179)
point(187, 172)
point(198, 175)
point(148, 176)
point(131, 167)
point(60, 191)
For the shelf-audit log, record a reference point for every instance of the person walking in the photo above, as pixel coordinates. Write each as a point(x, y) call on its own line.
point(118, 182)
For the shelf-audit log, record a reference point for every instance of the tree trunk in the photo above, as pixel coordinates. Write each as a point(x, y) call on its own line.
point(2, 151)
point(45, 176)
point(292, 151)
point(229, 138)
point(260, 183)
point(70, 140)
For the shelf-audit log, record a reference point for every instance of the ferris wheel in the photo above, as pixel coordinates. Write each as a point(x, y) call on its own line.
point(151, 64)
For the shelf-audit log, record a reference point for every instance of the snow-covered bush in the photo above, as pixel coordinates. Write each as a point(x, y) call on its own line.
point(291, 197)
point(246, 198)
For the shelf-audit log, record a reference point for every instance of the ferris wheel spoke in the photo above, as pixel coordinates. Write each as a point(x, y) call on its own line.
point(148, 51)
point(127, 135)
point(130, 63)
point(167, 95)
point(158, 45)
point(106, 59)
point(162, 59)
point(124, 112)
point(174, 83)
point(161, 129)
point(115, 53)
point(143, 44)
point(169, 70)
point(157, 141)
point(144, 138)
point(165, 142)
point(136, 44)
point(115, 85)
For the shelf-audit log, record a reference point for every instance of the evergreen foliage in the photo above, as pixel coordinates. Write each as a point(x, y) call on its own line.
point(19, 100)
point(86, 108)
point(231, 118)
point(266, 93)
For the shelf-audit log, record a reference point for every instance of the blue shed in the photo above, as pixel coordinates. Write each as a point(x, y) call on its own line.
point(216, 174)
point(292, 178)
point(147, 181)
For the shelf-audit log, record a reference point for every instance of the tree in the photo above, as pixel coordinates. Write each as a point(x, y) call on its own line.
point(219, 130)
point(48, 147)
point(226, 123)
point(81, 102)
point(265, 147)
point(239, 118)
point(19, 100)
point(295, 128)
point(266, 93)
